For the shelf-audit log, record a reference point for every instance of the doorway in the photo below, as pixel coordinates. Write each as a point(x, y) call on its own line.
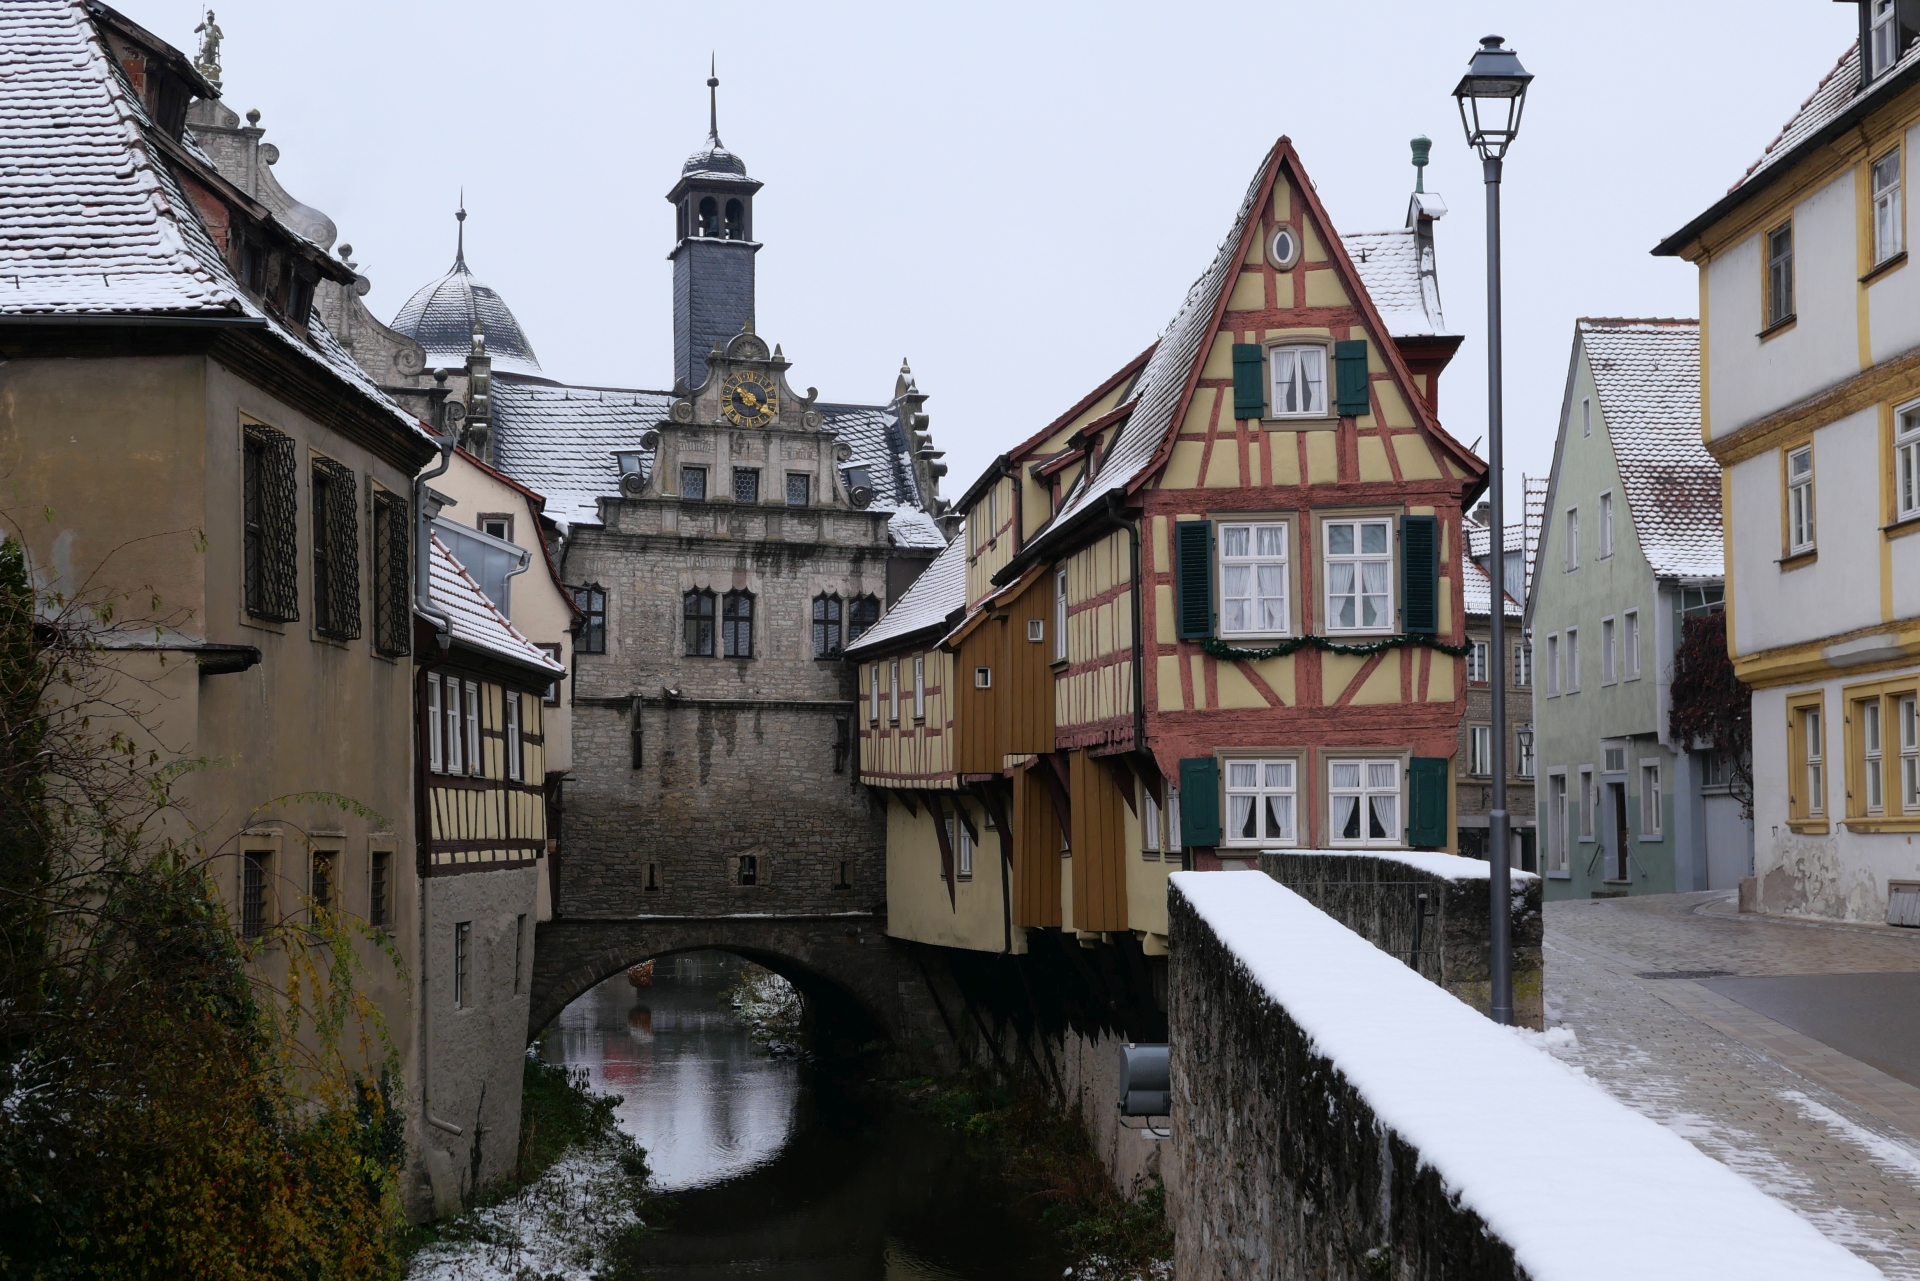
point(1619, 863)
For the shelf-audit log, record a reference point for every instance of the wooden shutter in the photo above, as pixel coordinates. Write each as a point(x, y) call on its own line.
point(1193, 569)
point(1249, 380)
point(1199, 801)
point(1427, 785)
point(1350, 373)
point(1420, 575)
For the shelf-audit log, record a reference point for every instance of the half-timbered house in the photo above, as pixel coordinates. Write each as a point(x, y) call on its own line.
point(1215, 607)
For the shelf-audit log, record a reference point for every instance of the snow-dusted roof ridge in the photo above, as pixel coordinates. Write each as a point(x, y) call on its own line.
point(1647, 374)
point(1479, 592)
point(474, 618)
point(935, 595)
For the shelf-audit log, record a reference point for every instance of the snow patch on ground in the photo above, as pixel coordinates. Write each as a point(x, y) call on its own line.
point(1890, 1153)
point(557, 1229)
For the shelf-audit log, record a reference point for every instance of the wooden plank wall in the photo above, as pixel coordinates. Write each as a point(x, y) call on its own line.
point(977, 711)
point(1099, 843)
point(1036, 852)
point(1027, 698)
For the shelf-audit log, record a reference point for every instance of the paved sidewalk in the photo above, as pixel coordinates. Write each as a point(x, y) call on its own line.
point(1833, 1137)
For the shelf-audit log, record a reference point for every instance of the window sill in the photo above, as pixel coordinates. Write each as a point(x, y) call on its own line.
point(1903, 823)
point(1777, 327)
point(1230, 638)
point(1653, 838)
point(1341, 633)
point(1902, 527)
point(1798, 560)
point(1558, 876)
point(1302, 423)
point(1809, 826)
point(1059, 666)
point(1881, 269)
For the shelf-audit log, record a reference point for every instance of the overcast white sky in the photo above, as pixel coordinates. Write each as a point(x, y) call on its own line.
point(1013, 195)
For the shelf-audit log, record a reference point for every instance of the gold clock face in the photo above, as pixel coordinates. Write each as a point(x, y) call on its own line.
point(748, 400)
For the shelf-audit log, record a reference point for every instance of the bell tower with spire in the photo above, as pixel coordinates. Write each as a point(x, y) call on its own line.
point(713, 250)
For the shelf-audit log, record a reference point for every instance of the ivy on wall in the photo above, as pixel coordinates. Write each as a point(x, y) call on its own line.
point(1712, 708)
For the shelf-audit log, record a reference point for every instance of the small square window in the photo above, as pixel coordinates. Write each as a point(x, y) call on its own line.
point(799, 489)
point(746, 484)
point(1036, 629)
point(693, 484)
point(983, 678)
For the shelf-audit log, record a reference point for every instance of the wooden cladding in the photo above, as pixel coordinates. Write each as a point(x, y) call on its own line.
point(976, 708)
point(1036, 851)
point(1099, 841)
point(1012, 714)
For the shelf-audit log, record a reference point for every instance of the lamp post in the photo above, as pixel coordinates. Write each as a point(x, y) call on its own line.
point(1491, 97)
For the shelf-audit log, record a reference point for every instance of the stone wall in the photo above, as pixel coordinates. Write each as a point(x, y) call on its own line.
point(1336, 1117)
point(1444, 938)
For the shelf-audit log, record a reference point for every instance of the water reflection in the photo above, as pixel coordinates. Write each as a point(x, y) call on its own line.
point(778, 1172)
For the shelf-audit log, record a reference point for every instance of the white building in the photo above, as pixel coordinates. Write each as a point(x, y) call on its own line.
point(1810, 403)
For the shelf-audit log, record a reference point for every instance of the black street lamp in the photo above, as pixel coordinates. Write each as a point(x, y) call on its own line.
point(1491, 96)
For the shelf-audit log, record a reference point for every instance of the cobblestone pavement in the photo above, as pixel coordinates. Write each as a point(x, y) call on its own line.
point(1834, 1138)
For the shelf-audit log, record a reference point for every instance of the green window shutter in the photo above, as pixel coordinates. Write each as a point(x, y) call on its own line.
point(1427, 786)
point(1193, 573)
point(1419, 575)
point(1249, 380)
point(1350, 371)
point(1200, 801)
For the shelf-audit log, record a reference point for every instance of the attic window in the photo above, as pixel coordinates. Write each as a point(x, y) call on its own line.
point(1884, 40)
point(1284, 248)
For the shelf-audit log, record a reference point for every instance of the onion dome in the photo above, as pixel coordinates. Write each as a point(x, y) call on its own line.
point(444, 316)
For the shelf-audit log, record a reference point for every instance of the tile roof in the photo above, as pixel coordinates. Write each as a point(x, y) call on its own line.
point(1647, 373)
point(473, 617)
point(938, 594)
point(92, 219)
point(1479, 592)
point(561, 441)
point(1837, 90)
point(1480, 537)
point(1405, 291)
point(1534, 489)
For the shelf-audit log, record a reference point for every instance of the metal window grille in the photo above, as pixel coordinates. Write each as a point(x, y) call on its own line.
point(736, 625)
point(270, 504)
point(253, 894)
point(826, 627)
point(323, 880)
point(862, 612)
point(461, 934)
point(336, 551)
point(746, 485)
point(392, 595)
point(749, 869)
point(377, 891)
point(798, 489)
point(698, 609)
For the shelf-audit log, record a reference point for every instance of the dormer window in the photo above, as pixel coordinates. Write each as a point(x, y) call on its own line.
point(1884, 37)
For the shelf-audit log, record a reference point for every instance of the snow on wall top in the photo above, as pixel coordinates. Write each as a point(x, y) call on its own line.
point(1450, 867)
point(474, 619)
point(1647, 373)
point(940, 590)
point(1427, 1064)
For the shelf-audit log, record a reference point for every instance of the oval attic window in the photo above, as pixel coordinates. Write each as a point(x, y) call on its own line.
point(1284, 249)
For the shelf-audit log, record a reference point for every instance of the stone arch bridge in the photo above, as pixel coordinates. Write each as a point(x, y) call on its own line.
point(860, 986)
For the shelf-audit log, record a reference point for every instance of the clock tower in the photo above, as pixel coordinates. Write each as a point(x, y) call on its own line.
point(713, 250)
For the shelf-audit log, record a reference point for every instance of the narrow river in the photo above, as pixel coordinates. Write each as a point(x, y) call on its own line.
point(774, 1172)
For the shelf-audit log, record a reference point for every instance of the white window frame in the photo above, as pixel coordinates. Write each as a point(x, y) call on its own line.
point(1151, 841)
point(1906, 462)
point(1813, 724)
point(1175, 842)
point(1553, 664)
point(1256, 781)
point(1480, 751)
point(1800, 502)
point(1523, 664)
point(1650, 799)
point(1573, 539)
point(1883, 39)
point(893, 691)
point(1303, 360)
point(1588, 790)
point(1630, 645)
point(1252, 562)
point(1366, 791)
point(962, 844)
point(436, 729)
point(1359, 560)
point(1586, 417)
point(1573, 660)
point(1559, 860)
point(476, 755)
point(455, 761)
point(1889, 216)
point(1060, 614)
point(516, 768)
point(1606, 524)
point(1523, 755)
point(1477, 662)
point(1873, 755)
point(1609, 666)
point(919, 687)
point(873, 694)
point(1908, 714)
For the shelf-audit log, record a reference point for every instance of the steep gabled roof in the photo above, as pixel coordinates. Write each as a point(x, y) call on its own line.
point(1647, 374)
point(939, 592)
point(1479, 592)
point(474, 619)
point(1535, 498)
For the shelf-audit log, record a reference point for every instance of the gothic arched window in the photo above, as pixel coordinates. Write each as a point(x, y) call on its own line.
point(698, 609)
point(736, 220)
point(862, 612)
point(826, 627)
point(736, 625)
point(710, 217)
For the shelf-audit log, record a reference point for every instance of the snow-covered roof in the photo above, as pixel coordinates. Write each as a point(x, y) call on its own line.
point(1479, 592)
point(561, 441)
point(1404, 290)
point(95, 222)
point(1647, 373)
point(1534, 489)
point(474, 619)
point(940, 590)
point(1480, 537)
point(443, 315)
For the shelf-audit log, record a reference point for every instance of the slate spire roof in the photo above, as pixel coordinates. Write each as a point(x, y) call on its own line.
point(714, 160)
point(443, 316)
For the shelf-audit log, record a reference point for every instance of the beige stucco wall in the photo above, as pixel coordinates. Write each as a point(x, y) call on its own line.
point(918, 906)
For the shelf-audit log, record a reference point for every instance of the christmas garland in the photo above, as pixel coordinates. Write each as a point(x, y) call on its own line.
point(1227, 653)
